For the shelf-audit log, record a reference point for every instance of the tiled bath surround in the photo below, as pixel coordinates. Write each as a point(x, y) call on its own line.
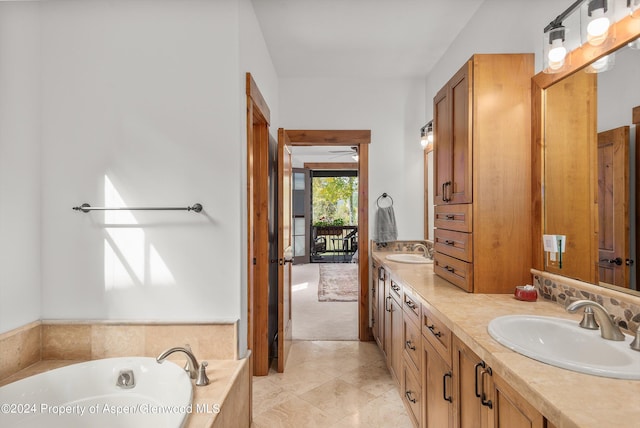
point(625, 308)
point(82, 341)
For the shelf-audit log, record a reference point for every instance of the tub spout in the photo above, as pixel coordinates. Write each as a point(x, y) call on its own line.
point(196, 371)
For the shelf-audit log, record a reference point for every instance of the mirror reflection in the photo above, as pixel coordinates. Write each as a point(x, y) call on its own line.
point(590, 182)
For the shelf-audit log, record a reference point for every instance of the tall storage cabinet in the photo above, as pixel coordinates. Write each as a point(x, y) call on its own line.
point(482, 174)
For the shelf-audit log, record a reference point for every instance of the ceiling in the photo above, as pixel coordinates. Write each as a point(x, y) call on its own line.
point(360, 38)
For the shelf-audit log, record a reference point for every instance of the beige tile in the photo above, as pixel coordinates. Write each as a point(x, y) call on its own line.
point(206, 341)
point(19, 348)
point(267, 394)
point(66, 342)
point(294, 413)
point(117, 341)
point(382, 412)
point(300, 379)
point(373, 378)
point(337, 397)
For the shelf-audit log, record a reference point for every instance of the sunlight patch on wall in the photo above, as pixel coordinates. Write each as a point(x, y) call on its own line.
point(299, 287)
point(129, 259)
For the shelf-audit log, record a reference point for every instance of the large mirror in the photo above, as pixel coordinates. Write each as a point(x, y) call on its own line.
point(589, 182)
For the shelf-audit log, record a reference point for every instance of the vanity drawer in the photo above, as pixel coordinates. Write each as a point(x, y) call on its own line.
point(454, 244)
point(411, 391)
point(436, 333)
point(458, 272)
point(411, 306)
point(411, 341)
point(395, 290)
point(454, 217)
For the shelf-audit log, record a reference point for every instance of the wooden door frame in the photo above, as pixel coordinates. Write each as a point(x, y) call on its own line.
point(258, 117)
point(360, 139)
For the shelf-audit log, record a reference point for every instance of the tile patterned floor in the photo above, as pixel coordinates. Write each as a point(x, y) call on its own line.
point(341, 384)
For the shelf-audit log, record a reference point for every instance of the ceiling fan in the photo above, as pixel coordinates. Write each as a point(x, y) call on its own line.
point(353, 152)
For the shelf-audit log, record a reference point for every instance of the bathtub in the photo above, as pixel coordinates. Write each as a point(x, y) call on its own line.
point(86, 395)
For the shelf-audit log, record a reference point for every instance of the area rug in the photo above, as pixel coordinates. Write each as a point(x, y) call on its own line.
point(338, 282)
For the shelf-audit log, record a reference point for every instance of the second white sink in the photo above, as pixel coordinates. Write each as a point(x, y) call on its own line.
point(563, 343)
point(408, 258)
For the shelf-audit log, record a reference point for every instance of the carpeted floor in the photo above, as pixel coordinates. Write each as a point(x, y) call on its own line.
point(314, 320)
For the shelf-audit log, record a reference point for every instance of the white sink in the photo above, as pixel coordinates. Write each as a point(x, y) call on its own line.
point(563, 343)
point(408, 258)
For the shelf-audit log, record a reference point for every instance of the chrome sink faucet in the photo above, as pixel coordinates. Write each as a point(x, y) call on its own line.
point(608, 328)
point(196, 371)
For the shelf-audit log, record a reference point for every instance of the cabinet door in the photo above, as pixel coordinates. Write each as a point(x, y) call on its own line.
point(510, 410)
point(453, 137)
point(468, 385)
point(379, 307)
point(396, 338)
point(437, 389)
point(460, 190)
point(442, 153)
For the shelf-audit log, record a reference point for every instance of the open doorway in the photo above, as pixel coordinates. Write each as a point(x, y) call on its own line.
point(325, 283)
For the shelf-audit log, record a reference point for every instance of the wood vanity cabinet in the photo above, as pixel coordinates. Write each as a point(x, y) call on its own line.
point(437, 375)
point(411, 387)
point(484, 399)
point(393, 328)
point(482, 174)
point(377, 304)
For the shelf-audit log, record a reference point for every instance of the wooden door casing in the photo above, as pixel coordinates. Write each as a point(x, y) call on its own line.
point(613, 206)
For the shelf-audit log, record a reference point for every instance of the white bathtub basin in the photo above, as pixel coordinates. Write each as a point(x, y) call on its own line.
point(563, 343)
point(408, 258)
point(86, 395)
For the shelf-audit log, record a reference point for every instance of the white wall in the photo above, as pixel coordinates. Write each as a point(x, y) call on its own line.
point(19, 165)
point(393, 110)
point(498, 26)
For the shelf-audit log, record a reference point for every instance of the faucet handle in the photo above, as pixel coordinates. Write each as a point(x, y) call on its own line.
point(589, 320)
point(203, 379)
point(635, 345)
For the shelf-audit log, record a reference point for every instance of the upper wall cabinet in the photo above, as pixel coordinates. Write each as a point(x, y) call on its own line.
point(452, 167)
point(482, 174)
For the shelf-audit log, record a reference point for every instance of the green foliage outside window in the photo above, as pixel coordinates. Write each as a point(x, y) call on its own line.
point(335, 201)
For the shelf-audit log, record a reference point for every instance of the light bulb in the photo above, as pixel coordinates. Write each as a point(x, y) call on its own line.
point(597, 28)
point(430, 137)
point(601, 63)
point(557, 54)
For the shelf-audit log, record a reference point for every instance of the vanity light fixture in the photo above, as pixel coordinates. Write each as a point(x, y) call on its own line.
point(597, 18)
point(426, 135)
point(555, 52)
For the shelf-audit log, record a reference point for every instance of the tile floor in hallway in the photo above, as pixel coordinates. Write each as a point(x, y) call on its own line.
point(335, 384)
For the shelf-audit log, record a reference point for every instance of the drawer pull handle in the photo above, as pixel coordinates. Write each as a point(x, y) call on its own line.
point(449, 269)
point(395, 287)
point(411, 345)
point(450, 217)
point(411, 304)
point(409, 396)
point(386, 306)
point(483, 399)
point(481, 364)
point(444, 387)
point(432, 329)
point(450, 243)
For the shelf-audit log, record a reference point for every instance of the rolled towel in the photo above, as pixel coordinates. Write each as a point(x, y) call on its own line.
point(386, 228)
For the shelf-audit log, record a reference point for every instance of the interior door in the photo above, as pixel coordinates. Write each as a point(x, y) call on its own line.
point(285, 251)
point(613, 206)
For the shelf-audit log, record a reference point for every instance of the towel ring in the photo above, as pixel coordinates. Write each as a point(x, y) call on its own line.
point(384, 195)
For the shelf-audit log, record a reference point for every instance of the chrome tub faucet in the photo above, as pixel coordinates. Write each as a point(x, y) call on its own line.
point(196, 371)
